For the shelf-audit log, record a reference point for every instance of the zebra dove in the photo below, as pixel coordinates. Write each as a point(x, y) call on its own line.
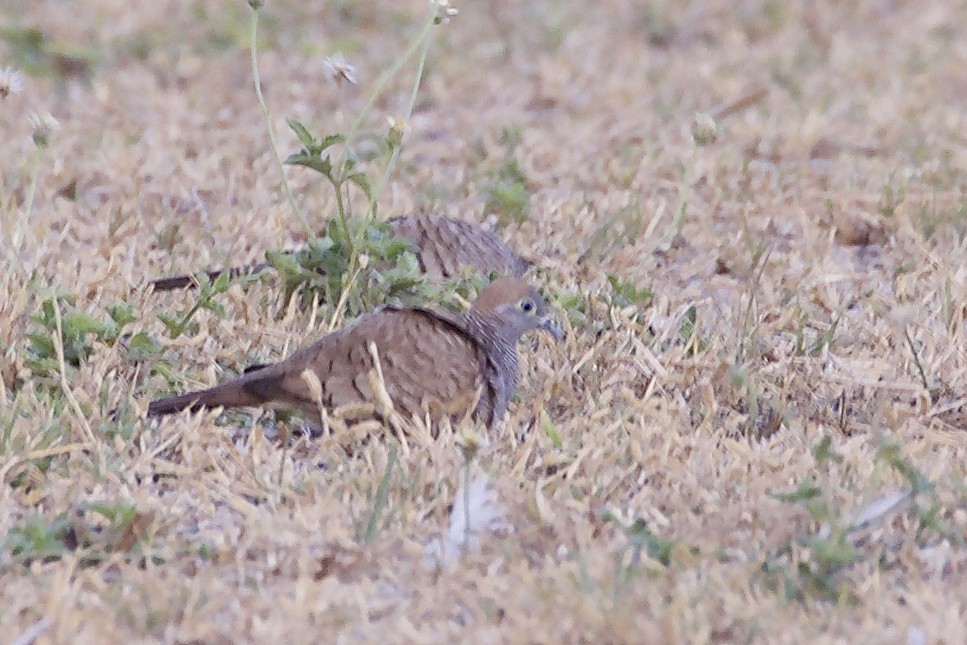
point(430, 361)
point(443, 246)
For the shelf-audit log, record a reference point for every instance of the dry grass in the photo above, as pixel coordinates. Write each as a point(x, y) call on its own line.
point(804, 332)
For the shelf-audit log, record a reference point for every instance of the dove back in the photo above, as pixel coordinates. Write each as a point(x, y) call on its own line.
point(446, 246)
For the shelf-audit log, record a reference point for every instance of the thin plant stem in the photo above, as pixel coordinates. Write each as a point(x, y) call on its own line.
point(391, 164)
point(421, 40)
point(267, 117)
point(381, 84)
point(684, 192)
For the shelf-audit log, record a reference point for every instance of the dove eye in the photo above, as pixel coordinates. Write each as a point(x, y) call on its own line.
point(527, 305)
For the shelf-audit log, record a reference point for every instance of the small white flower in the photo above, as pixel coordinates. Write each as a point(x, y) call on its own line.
point(443, 11)
point(338, 70)
point(397, 125)
point(42, 125)
point(397, 128)
point(11, 82)
point(704, 129)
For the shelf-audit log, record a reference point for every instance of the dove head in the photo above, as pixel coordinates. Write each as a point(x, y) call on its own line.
point(512, 308)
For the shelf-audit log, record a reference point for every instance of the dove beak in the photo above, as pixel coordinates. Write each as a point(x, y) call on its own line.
point(550, 325)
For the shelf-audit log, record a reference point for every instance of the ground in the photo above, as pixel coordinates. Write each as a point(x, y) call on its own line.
point(749, 217)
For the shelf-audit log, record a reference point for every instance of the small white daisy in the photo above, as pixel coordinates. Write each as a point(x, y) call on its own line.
point(11, 82)
point(443, 11)
point(338, 70)
point(42, 125)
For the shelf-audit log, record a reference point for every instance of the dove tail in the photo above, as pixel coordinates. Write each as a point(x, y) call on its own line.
point(260, 384)
point(188, 281)
point(234, 394)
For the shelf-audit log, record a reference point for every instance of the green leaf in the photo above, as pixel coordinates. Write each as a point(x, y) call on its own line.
point(79, 322)
point(657, 547)
point(687, 327)
point(142, 345)
point(284, 263)
point(833, 554)
point(824, 451)
point(323, 166)
point(328, 141)
point(321, 245)
point(122, 314)
point(361, 180)
point(349, 165)
point(805, 492)
point(626, 293)
point(36, 538)
point(890, 452)
point(41, 345)
point(221, 282)
point(396, 247)
point(641, 537)
point(511, 202)
point(551, 430)
point(302, 132)
point(176, 326)
point(216, 308)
